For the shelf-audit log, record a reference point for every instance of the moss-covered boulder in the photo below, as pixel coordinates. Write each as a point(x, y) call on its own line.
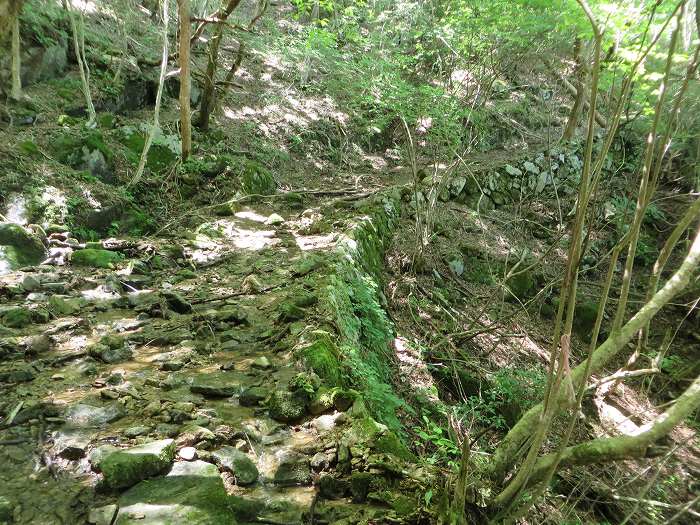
point(60, 306)
point(585, 315)
point(256, 179)
point(286, 406)
point(289, 312)
point(86, 150)
point(327, 399)
point(521, 286)
point(21, 246)
point(238, 463)
point(293, 469)
point(95, 258)
point(16, 317)
point(127, 467)
point(163, 152)
point(323, 357)
point(192, 493)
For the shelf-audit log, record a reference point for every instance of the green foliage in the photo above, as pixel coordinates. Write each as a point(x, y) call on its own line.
point(444, 449)
point(675, 366)
point(164, 149)
point(523, 386)
point(70, 146)
point(46, 22)
point(513, 391)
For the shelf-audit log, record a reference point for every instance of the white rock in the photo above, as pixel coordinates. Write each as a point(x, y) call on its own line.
point(187, 453)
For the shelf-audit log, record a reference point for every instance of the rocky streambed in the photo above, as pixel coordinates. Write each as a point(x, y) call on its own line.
point(200, 379)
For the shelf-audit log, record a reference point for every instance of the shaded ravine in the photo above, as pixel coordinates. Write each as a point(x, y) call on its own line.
point(211, 342)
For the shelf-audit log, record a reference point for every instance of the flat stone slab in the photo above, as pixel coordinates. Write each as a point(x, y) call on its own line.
point(87, 416)
point(214, 386)
point(192, 493)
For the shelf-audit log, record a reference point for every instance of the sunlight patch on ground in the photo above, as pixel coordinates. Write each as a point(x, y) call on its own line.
point(251, 216)
point(315, 242)
point(612, 417)
point(413, 370)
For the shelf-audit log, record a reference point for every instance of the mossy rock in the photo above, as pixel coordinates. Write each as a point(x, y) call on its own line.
point(288, 311)
point(70, 149)
point(161, 154)
point(27, 247)
point(323, 357)
point(286, 407)
point(60, 306)
point(256, 179)
point(585, 315)
point(17, 317)
point(332, 398)
point(389, 443)
point(521, 286)
point(192, 493)
point(127, 467)
point(95, 258)
point(362, 484)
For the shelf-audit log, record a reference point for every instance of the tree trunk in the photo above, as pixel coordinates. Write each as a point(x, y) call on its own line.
point(16, 92)
point(209, 93)
point(185, 119)
point(579, 74)
point(159, 94)
point(525, 427)
point(82, 64)
point(624, 447)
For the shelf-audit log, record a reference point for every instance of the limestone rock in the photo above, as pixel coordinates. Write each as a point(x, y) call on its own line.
point(102, 515)
point(82, 415)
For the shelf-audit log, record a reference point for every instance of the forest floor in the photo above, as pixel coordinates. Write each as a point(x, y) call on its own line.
point(186, 342)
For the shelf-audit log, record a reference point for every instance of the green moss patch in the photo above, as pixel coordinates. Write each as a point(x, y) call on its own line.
point(95, 258)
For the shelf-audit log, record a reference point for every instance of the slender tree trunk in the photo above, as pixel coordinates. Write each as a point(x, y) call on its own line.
point(16, 92)
point(624, 447)
point(82, 64)
point(185, 119)
point(156, 111)
point(16, 61)
point(579, 74)
point(209, 92)
point(527, 424)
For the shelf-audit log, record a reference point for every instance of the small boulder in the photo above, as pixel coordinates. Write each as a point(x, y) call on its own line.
point(238, 463)
point(286, 407)
point(176, 302)
point(293, 469)
point(330, 487)
point(30, 283)
point(252, 397)
point(127, 467)
point(187, 453)
point(71, 443)
point(81, 415)
point(102, 515)
point(17, 317)
point(213, 387)
point(38, 344)
point(28, 247)
point(192, 493)
point(62, 306)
